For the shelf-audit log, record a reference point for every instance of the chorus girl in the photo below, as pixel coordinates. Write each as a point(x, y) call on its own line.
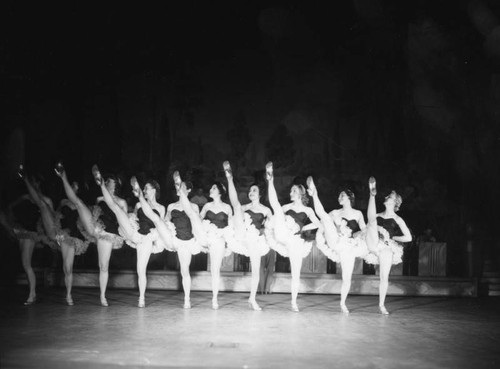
point(70, 240)
point(290, 223)
point(249, 228)
point(33, 223)
point(183, 217)
point(98, 224)
point(384, 234)
point(217, 223)
point(137, 229)
point(343, 231)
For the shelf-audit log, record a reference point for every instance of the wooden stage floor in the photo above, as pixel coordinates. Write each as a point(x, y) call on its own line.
point(421, 332)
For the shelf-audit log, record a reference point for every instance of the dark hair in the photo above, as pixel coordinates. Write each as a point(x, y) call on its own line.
point(261, 187)
point(350, 195)
point(118, 182)
point(189, 185)
point(221, 188)
point(156, 186)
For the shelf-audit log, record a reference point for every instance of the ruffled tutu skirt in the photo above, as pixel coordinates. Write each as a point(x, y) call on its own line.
point(291, 242)
point(385, 243)
point(191, 245)
point(355, 246)
point(250, 240)
point(38, 236)
point(100, 230)
point(63, 235)
point(139, 240)
point(216, 235)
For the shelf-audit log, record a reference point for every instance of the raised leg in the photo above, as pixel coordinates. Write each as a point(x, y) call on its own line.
point(233, 198)
point(329, 227)
point(196, 222)
point(279, 216)
point(46, 212)
point(83, 211)
point(371, 227)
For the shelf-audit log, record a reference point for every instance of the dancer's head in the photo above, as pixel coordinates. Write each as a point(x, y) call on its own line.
point(189, 187)
point(152, 190)
point(112, 183)
point(218, 190)
point(346, 196)
point(298, 192)
point(393, 200)
point(255, 192)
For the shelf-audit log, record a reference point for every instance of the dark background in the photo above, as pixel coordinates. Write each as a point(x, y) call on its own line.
point(407, 91)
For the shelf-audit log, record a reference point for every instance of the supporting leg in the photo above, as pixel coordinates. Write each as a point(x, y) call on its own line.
point(68, 255)
point(27, 246)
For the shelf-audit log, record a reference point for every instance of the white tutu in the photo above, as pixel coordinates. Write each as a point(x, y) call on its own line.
point(63, 235)
point(192, 245)
point(138, 239)
point(216, 235)
point(249, 240)
point(293, 243)
point(385, 242)
point(99, 230)
point(345, 244)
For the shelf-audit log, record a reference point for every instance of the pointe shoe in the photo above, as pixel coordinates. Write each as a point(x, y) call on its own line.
point(59, 169)
point(97, 175)
point(30, 301)
point(136, 189)
point(252, 304)
point(104, 302)
point(383, 310)
point(295, 308)
point(215, 305)
point(311, 186)
point(372, 184)
point(187, 304)
point(227, 169)
point(269, 171)
point(142, 303)
point(177, 180)
point(69, 301)
point(20, 172)
point(344, 309)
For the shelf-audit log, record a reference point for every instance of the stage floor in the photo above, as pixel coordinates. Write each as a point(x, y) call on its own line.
point(421, 332)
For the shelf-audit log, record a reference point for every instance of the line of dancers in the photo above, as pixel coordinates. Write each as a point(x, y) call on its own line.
point(219, 229)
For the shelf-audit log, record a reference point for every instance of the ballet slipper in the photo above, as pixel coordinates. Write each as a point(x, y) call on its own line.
point(20, 172)
point(59, 169)
point(252, 304)
point(344, 309)
point(383, 310)
point(97, 175)
point(177, 180)
point(311, 187)
point(372, 184)
point(269, 171)
point(136, 189)
point(227, 169)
